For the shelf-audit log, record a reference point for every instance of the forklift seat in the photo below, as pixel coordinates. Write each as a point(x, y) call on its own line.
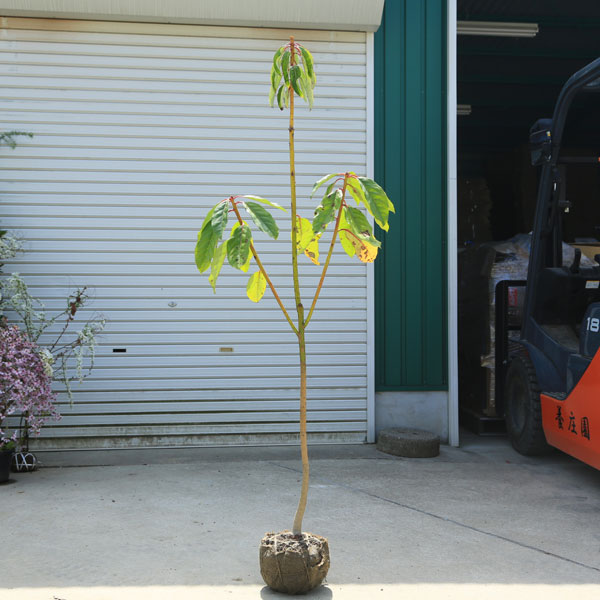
point(589, 342)
point(589, 336)
point(565, 296)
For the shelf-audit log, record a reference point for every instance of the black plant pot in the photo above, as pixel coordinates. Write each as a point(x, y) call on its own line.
point(5, 459)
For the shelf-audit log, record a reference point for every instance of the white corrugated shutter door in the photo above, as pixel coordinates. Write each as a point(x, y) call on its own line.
point(138, 130)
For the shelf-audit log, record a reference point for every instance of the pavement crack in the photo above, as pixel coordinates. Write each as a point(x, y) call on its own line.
point(447, 520)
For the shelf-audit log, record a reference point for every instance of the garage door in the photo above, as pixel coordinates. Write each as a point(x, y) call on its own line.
point(138, 129)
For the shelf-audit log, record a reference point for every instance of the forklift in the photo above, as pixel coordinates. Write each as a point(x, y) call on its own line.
point(549, 376)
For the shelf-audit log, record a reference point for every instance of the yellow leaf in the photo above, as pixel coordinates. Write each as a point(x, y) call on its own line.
point(312, 250)
point(366, 252)
point(346, 243)
point(257, 284)
point(304, 233)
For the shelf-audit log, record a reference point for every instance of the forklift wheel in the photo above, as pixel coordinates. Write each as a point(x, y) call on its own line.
point(523, 408)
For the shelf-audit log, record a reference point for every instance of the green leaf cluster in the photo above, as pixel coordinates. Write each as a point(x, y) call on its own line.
point(292, 71)
point(211, 254)
point(356, 233)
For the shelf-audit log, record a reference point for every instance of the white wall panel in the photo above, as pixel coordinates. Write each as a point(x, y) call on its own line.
point(138, 131)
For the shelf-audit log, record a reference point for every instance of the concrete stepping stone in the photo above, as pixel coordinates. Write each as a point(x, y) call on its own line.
point(410, 443)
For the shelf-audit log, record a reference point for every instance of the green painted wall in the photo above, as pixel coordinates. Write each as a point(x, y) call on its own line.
point(410, 163)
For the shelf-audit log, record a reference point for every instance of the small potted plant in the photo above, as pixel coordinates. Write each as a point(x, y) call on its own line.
point(295, 561)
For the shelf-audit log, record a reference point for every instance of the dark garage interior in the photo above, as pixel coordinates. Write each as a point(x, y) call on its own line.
point(509, 75)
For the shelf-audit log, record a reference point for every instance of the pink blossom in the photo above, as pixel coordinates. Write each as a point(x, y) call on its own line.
point(25, 388)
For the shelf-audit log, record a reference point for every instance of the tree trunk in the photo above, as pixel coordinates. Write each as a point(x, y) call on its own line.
point(297, 529)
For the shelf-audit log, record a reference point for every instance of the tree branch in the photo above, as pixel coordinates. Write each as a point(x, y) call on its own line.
point(331, 246)
point(264, 272)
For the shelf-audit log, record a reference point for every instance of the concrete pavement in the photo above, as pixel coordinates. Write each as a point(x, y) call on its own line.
point(479, 522)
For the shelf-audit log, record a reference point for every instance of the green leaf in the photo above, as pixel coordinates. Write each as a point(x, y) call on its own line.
point(321, 181)
point(264, 201)
point(377, 202)
point(285, 66)
point(275, 79)
point(326, 211)
point(275, 74)
point(286, 96)
point(357, 220)
point(263, 219)
point(360, 226)
point(308, 61)
point(272, 93)
point(207, 220)
point(304, 233)
point(277, 60)
point(295, 75)
point(333, 199)
point(217, 263)
point(356, 190)
point(343, 235)
point(307, 90)
point(219, 218)
point(238, 246)
point(330, 187)
point(280, 100)
point(205, 248)
point(257, 284)
point(374, 187)
point(323, 216)
point(246, 266)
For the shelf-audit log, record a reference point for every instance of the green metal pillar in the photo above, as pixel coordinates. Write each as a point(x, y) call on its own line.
point(410, 162)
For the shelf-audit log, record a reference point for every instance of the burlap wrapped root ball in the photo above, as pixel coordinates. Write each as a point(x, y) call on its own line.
point(293, 564)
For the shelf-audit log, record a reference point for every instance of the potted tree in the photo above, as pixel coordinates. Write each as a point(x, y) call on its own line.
point(294, 561)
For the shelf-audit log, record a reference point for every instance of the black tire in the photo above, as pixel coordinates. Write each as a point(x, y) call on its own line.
point(523, 408)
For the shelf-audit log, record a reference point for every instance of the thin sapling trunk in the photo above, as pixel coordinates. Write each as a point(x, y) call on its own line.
point(297, 527)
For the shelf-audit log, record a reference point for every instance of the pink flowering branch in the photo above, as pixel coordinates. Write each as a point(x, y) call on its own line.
point(25, 387)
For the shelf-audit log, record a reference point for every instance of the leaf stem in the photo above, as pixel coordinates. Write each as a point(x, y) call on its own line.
point(329, 254)
point(264, 272)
